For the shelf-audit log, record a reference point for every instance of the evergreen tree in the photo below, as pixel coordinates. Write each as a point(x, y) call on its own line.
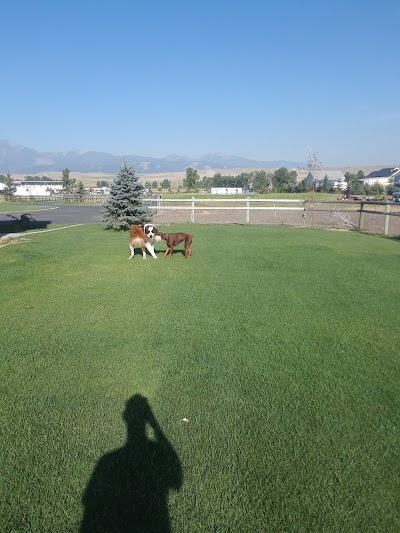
point(325, 187)
point(125, 205)
point(80, 190)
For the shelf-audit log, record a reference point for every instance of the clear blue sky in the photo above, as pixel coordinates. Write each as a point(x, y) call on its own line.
point(259, 79)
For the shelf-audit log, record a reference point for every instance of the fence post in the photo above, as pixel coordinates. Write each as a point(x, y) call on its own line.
point(361, 219)
point(247, 210)
point(387, 218)
point(192, 217)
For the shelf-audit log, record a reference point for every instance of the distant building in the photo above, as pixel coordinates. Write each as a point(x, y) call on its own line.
point(384, 177)
point(226, 190)
point(98, 190)
point(38, 188)
point(336, 179)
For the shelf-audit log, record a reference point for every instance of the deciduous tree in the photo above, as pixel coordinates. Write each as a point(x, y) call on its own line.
point(102, 183)
point(283, 180)
point(261, 181)
point(192, 178)
point(10, 188)
point(68, 182)
point(313, 165)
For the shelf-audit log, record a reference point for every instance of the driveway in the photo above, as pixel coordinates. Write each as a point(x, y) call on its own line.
point(63, 214)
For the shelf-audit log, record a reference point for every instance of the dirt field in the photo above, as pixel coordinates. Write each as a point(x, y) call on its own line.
point(339, 216)
point(89, 179)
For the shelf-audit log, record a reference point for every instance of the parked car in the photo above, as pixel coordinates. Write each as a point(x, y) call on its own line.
point(396, 196)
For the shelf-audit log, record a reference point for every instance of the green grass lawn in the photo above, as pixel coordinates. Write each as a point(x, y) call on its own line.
point(278, 345)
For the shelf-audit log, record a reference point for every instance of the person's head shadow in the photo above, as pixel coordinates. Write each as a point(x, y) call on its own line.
point(128, 490)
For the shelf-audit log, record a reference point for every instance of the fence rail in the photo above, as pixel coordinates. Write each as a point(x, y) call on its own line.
point(164, 204)
point(369, 216)
point(330, 213)
point(64, 198)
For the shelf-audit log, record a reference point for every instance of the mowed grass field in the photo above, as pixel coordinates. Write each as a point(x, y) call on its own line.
point(270, 365)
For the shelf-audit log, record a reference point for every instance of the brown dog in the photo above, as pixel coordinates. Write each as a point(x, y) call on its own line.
point(173, 239)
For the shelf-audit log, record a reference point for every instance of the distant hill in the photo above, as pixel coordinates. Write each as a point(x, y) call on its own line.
point(18, 159)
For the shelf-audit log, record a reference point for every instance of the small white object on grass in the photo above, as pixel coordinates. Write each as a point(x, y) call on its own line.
point(185, 420)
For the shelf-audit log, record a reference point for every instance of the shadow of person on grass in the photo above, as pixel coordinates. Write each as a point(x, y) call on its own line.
point(128, 490)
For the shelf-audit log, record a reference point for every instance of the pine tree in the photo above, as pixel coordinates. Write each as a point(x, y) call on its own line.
point(125, 205)
point(80, 191)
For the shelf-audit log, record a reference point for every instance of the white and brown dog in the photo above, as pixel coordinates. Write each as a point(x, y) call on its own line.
point(143, 236)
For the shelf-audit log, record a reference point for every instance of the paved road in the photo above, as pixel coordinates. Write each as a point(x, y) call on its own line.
point(64, 214)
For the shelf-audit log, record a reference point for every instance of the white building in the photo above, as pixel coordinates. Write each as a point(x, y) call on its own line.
point(384, 177)
point(335, 179)
point(226, 190)
point(38, 188)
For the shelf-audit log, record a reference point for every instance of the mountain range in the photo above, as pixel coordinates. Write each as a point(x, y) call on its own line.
point(18, 159)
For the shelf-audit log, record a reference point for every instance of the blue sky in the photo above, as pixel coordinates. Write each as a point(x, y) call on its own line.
point(259, 79)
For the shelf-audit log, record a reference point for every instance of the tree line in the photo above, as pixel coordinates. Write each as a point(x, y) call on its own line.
point(258, 181)
point(281, 180)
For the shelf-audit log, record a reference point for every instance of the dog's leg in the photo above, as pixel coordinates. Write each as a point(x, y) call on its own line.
point(188, 251)
point(144, 252)
point(170, 252)
point(132, 251)
point(150, 248)
point(166, 252)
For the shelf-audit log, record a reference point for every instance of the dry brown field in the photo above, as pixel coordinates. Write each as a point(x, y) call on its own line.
point(89, 179)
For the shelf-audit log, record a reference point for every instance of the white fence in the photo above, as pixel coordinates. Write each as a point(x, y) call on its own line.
point(164, 204)
point(369, 216)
